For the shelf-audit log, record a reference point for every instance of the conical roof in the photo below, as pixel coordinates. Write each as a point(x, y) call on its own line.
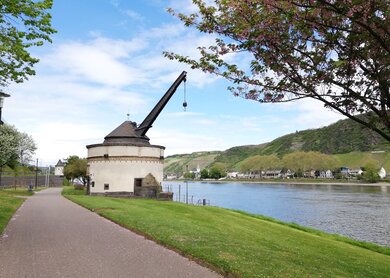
point(126, 134)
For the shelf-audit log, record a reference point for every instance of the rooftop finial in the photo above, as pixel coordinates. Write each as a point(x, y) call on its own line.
point(128, 116)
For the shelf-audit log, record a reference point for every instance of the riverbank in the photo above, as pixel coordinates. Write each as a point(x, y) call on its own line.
point(241, 244)
point(285, 181)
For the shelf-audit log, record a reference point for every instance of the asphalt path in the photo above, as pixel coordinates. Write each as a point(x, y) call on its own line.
point(49, 236)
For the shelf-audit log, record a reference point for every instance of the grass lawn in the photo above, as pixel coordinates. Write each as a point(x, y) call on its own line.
point(240, 244)
point(9, 203)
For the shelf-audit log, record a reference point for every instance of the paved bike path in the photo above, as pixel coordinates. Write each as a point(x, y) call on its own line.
point(49, 236)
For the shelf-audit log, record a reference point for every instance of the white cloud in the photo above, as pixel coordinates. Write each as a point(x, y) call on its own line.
point(88, 62)
point(177, 142)
point(83, 90)
point(61, 139)
point(134, 15)
point(311, 114)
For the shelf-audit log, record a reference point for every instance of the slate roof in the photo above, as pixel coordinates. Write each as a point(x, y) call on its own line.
point(60, 163)
point(124, 134)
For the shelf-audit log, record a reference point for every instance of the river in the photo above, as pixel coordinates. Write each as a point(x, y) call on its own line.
point(359, 212)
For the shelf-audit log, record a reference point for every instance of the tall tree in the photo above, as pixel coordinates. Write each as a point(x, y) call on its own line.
point(9, 144)
point(76, 168)
point(334, 51)
point(23, 24)
point(26, 148)
point(309, 161)
point(259, 163)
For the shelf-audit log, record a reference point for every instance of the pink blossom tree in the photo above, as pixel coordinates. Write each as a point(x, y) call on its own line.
point(334, 51)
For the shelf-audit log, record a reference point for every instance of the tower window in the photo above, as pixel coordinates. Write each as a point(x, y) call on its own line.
point(106, 186)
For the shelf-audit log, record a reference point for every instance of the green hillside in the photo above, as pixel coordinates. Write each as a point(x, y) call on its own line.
point(341, 137)
point(178, 163)
point(353, 144)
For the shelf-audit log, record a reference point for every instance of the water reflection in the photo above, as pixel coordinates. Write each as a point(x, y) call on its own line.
point(360, 212)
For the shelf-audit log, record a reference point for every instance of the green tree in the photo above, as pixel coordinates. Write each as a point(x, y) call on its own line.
point(260, 163)
point(370, 173)
point(76, 168)
point(204, 174)
point(15, 147)
point(23, 24)
point(336, 52)
point(189, 175)
point(9, 139)
point(304, 161)
point(215, 173)
point(26, 148)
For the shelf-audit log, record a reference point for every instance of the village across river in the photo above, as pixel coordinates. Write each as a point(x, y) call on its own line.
point(359, 212)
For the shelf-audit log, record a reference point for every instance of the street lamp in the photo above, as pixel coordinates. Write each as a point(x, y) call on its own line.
point(2, 96)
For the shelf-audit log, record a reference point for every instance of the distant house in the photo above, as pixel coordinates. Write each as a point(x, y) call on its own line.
point(59, 168)
point(355, 172)
point(171, 177)
point(328, 174)
point(232, 175)
point(249, 175)
point(309, 174)
point(382, 173)
point(287, 174)
point(273, 174)
point(344, 171)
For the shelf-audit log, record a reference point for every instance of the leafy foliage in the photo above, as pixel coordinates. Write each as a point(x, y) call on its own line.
point(371, 173)
point(204, 174)
point(336, 52)
point(189, 175)
point(303, 161)
point(23, 24)
point(217, 171)
point(9, 138)
point(76, 168)
point(15, 147)
point(259, 163)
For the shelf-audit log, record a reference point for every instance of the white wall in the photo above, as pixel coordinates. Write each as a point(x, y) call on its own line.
point(58, 171)
point(122, 166)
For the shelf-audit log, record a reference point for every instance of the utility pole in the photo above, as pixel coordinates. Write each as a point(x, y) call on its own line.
point(186, 186)
point(36, 175)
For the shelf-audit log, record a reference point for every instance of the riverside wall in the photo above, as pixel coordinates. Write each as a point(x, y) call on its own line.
point(25, 181)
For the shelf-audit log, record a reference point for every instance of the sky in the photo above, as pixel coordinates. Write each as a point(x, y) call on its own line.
point(106, 62)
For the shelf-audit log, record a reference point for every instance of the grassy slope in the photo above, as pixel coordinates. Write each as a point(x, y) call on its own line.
point(353, 159)
point(351, 138)
point(177, 163)
point(9, 204)
point(359, 159)
point(242, 244)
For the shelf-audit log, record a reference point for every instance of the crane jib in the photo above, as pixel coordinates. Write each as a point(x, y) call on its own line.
point(149, 120)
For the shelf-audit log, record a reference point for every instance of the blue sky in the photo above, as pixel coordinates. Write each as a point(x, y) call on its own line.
point(106, 61)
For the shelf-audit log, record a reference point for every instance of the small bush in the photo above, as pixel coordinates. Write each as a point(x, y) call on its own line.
point(66, 183)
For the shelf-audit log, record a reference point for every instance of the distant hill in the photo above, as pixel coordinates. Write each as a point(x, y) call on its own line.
point(178, 163)
point(342, 137)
